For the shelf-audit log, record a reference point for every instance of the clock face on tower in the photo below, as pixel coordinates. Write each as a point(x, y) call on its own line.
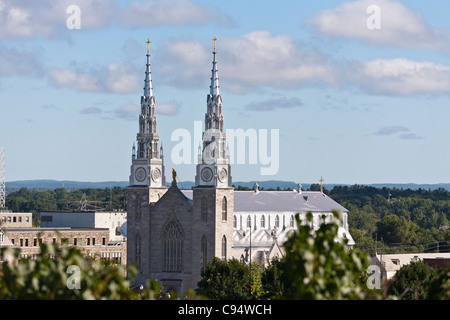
point(156, 175)
point(140, 174)
point(206, 174)
point(222, 174)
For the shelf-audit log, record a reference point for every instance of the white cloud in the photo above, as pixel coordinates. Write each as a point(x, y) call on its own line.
point(28, 18)
point(168, 12)
point(399, 25)
point(253, 61)
point(399, 77)
point(115, 78)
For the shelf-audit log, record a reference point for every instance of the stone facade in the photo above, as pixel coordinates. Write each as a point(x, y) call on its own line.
point(93, 242)
point(9, 219)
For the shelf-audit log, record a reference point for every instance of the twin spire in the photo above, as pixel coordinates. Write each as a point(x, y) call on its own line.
point(214, 88)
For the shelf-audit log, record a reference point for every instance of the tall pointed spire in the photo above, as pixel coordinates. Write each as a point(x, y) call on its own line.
point(148, 89)
point(213, 168)
point(147, 163)
point(214, 88)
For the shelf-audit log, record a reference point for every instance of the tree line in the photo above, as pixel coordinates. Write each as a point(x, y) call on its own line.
point(393, 220)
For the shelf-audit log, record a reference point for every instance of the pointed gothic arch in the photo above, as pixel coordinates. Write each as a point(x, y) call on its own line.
point(172, 247)
point(224, 209)
point(203, 253)
point(224, 248)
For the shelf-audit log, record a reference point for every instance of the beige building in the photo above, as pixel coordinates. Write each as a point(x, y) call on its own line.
point(93, 242)
point(15, 219)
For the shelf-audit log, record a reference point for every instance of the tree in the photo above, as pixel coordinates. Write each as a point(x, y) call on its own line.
point(225, 280)
point(319, 266)
point(63, 273)
point(408, 282)
point(395, 229)
point(274, 279)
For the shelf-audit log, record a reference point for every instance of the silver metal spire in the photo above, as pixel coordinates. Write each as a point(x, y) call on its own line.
point(214, 88)
point(148, 90)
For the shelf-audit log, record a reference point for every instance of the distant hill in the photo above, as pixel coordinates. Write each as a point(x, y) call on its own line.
point(270, 184)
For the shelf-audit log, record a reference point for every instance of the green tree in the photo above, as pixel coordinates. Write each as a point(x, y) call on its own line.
point(54, 275)
point(395, 229)
point(225, 280)
point(319, 266)
point(408, 282)
point(274, 279)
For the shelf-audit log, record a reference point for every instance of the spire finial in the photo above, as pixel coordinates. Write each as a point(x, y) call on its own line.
point(321, 182)
point(148, 45)
point(214, 39)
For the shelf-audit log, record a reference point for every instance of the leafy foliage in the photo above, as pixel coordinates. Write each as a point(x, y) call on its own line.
point(225, 280)
point(49, 277)
point(319, 266)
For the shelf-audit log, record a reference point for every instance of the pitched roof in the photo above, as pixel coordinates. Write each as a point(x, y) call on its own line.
point(281, 201)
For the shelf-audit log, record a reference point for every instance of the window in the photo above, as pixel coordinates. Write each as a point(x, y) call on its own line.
point(9, 219)
point(27, 219)
point(277, 221)
point(21, 242)
point(224, 209)
point(224, 248)
point(138, 251)
point(14, 219)
point(93, 241)
point(173, 248)
point(204, 210)
point(291, 222)
point(203, 253)
point(75, 241)
point(263, 222)
point(88, 241)
point(249, 222)
point(103, 241)
point(234, 222)
point(26, 242)
point(20, 219)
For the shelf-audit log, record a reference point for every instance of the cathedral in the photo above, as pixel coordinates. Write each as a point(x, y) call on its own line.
point(173, 233)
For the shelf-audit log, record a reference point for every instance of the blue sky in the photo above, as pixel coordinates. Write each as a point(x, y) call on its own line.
point(358, 90)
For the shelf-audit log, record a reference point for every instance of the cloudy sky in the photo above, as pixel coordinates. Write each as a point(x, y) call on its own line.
point(353, 91)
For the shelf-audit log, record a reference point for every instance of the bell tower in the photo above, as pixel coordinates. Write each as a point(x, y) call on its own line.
point(213, 167)
point(147, 183)
point(213, 194)
point(147, 168)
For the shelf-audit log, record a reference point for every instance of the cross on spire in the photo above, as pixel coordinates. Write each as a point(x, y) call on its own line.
point(214, 39)
point(148, 45)
point(321, 186)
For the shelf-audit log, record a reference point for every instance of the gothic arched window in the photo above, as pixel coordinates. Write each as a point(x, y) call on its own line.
point(173, 248)
point(204, 209)
point(138, 251)
point(249, 222)
point(224, 248)
point(203, 253)
point(277, 221)
point(263, 222)
point(291, 222)
point(234, 222)
point(224, 209)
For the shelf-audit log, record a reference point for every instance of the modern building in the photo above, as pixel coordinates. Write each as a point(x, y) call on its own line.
point(111, 220)
point(172, 234)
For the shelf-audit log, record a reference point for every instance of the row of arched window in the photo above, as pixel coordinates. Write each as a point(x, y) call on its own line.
point(263, 222)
